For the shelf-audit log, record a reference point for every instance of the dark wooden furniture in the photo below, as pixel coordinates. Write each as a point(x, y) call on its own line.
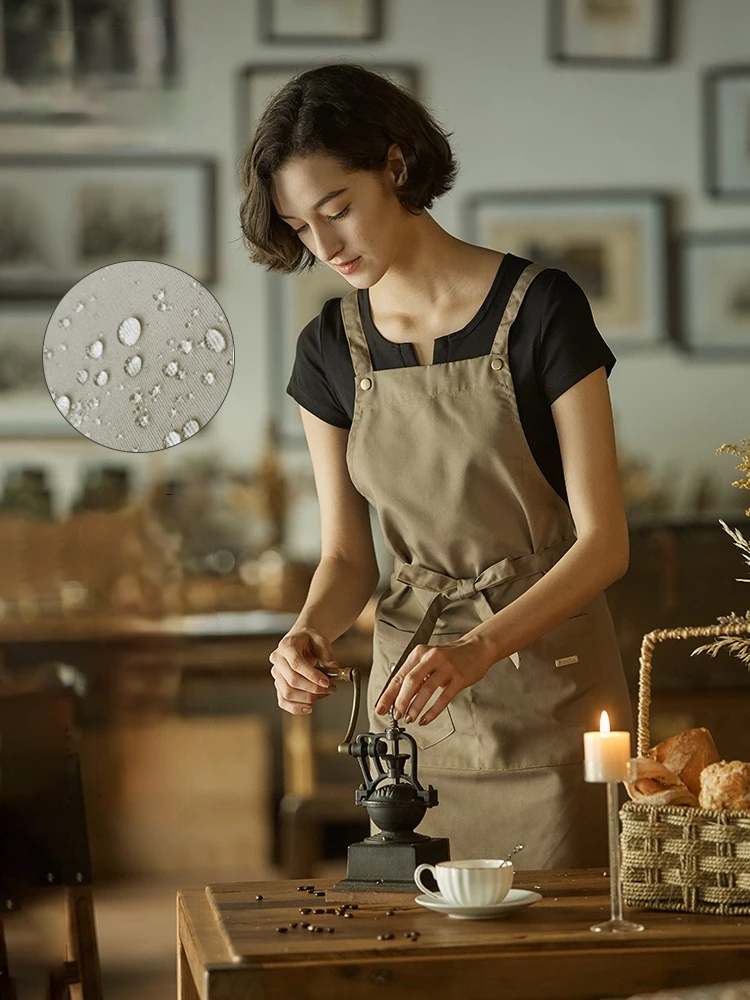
point(43, 834)
point(228, 946)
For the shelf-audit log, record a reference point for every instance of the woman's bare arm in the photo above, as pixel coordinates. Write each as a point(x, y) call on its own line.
point(348, 571)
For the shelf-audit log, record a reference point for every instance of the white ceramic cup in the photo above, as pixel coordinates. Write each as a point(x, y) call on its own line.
point(478, 882)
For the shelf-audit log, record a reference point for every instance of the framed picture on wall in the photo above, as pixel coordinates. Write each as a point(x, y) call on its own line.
point(609, 32)
point(258, 82)
point(57, 58)
point(613, 243)
point(26, 407)
point(62, 217)
point(726, 105)
point(715, 300)
point(320, 22)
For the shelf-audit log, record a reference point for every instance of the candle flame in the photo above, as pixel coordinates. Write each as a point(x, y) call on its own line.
point(604, 723)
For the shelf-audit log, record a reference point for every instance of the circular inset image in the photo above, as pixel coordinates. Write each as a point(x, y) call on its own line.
point(138, 356)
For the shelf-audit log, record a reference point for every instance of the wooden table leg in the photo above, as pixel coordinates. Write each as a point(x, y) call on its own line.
point(186, 988)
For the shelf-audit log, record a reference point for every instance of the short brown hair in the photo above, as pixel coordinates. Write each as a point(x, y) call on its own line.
point(354, 115)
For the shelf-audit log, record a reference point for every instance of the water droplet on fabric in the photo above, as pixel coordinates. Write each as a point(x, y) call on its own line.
point(170, 369)
point(96, 349)
point(92, 298)
point(63, 404)
point(142, 420)
point(136, 398)
point(191, 395)
point(80, 307)
point(160, 295)
point(181, 373)
point(101, 378)
point(75, 420)
point(208, 379)
point(188, 325)
point(173, 411)
point(119, 437)
point(98, 421)
point(129, 331)
point(171, 342)
point(47, 354)
point(154, 391)
point(82, 375)
point(64, 322)
point(193, 312)
point(172, 439)
point(133, 365)
point(215, 340)
point(62, 347)
point(161, 306)
point(190, 427)
point(186, 346)
point(221, 317)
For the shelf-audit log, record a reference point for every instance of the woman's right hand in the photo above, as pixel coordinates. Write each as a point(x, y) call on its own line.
point(295, 673)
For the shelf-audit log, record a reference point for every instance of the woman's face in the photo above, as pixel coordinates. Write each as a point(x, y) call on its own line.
point(342, 216)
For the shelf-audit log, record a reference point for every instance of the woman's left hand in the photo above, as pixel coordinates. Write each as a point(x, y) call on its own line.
point(452, 667)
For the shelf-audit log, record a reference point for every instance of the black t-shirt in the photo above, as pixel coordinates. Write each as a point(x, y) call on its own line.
point(553, 344)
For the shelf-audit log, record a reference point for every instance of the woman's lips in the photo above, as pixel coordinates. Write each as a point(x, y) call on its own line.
point(349, 267)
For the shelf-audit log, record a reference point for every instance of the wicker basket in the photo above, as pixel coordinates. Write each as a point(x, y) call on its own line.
point(677, 857)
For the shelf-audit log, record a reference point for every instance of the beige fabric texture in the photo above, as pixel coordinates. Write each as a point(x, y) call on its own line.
point(150, 383)
point(440, 452)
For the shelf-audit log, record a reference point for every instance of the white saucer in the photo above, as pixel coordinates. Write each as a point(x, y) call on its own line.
point(515, 900)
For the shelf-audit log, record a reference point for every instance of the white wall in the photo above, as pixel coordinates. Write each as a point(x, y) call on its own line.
point(519, 121)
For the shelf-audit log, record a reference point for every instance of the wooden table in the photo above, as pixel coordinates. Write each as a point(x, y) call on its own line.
point(228, 947)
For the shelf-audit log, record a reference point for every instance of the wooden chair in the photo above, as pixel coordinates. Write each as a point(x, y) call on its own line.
point(43, 836)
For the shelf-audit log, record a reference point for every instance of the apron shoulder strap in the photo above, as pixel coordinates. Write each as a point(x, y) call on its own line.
point(500, 343)
point(355, 335)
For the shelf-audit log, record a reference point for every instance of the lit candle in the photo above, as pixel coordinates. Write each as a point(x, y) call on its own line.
point(606, 754)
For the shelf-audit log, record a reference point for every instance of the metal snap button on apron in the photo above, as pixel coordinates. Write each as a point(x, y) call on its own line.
point(496, 364)
point(365, 383)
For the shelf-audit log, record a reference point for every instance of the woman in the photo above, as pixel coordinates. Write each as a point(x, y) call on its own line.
point(463, 393)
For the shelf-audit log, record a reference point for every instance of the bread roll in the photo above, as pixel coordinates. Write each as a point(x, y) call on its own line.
point(726, 785)
point(686, 754)
point(656, 785)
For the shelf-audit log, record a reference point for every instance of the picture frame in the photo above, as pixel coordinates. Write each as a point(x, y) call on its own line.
point(715, 294)
point(614, 243)
point(62, 217)
point(320, 22)
point(609, 33)
point(27, 410)
point(58, 59)
point(726, 114)
point(258, 82)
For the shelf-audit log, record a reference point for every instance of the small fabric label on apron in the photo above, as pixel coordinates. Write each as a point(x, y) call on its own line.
point(566, 661)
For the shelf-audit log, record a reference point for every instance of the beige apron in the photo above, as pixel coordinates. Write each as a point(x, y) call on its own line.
point(440, 453)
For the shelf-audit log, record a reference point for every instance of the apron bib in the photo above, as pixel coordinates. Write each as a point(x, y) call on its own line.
point(440, 453)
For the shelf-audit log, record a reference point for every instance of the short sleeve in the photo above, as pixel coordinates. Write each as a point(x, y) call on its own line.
point(570, 345)
point(309, 384)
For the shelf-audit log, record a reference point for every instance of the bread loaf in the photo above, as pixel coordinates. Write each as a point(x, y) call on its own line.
point(686, 754)
point(726, 785)
point(653, 783)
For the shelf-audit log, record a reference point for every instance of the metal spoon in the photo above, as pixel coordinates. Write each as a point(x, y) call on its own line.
point(516, 849)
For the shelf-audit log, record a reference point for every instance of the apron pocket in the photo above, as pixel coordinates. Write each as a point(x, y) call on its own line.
point(389, 644)
point(568, 644)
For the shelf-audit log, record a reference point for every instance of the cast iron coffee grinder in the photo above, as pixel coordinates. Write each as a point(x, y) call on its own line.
point(395, 801)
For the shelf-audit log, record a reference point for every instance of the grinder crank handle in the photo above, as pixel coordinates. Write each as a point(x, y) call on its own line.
point(347, 674)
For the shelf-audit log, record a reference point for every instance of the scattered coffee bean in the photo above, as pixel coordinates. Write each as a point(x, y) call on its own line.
point(330, 929)
point(389, 913)
point(386, 937)
point(320, 929)
point(348, 916)
point(301, 888)
point(321, 893)
point(294, 926)
point(305, 909)
point(331, 910)
point(259, 897)
point(282, 930)
point(352, 906)
point(311, 927)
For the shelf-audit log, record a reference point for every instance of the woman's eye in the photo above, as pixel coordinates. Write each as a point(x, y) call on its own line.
point(342, 214)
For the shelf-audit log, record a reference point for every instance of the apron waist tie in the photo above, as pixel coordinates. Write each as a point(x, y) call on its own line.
point(447, 589)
